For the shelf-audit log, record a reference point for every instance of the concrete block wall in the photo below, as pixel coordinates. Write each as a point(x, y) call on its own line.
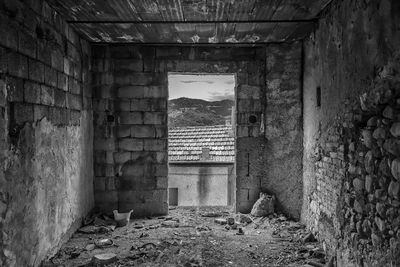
point(350, 192)
point(46, 156)
point(283, 127)
point(130, 100)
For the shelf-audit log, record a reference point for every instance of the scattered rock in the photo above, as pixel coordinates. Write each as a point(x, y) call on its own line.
point(263, 206)
point(90, 247)
point(221, 221)
point(243, 218)
point(230, 220)
point(367, 138)
point(92, 229)
point(380, 209)
point(103, 243)
point(309, 238)
point(105, 258)
point(372, 122)
point(358, 185)
point(392, 146)
point(388, 112)
point(380, 223)
point(240, 231)
point(170, 224)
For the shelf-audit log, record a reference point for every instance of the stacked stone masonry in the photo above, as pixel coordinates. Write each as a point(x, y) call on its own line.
point(45, 132)
point(351, 187)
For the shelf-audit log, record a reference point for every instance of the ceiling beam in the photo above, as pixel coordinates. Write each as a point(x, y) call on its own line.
point(189, 21)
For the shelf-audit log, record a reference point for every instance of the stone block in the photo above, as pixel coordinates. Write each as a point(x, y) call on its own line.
point(31, 92)
point(128, 183)
point(130, 144)
point(161, 131)
point(132, 169)
point(59, 98)
point(22, 113)
point(122, 157)
point(247, 91)
point(135, 65)
point(40, 112)
point(142, 131)
point(123, 131)
point(104, 144)
point(74, 101)
point(122, 105)
point(50, 76)
point(155, 118)
point(62, 81)
point(17, 65)
point(155, 144)
point(162, 157)
point(46, 95)
point(160, 91)
point(36, 71)
point(74, 86)
point(15, 89)
point(100, 184)
point(131, 118)
point(75, 117)
point(131, 91)
point(161, 169)
point(162, 182)
point(103, 91)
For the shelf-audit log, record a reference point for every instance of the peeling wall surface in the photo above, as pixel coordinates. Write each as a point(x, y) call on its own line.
point(350, 141)
point(46, 173)
point(131, 92)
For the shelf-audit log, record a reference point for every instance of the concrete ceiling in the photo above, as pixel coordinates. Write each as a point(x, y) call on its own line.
point(191, 21)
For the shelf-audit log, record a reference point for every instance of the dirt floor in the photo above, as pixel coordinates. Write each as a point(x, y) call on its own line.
point(192, 237)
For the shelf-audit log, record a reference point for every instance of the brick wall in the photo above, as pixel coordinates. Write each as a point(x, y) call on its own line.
point(45, 132)
point(130, 91)
point(350, 194)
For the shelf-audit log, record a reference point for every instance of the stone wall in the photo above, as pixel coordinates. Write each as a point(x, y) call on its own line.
point(130, 90)
point(283, 128)
point(45, 132)
point(350, 143)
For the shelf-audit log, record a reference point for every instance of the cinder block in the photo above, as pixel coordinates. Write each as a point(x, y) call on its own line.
point(129, 144)
point(135, 65)
point(161, 131)
point(36, 71)
point(248, 91)
point(161, 169)
point(162, 182)
point(47, 95)
point(22, 113)
point(105, 144)
point(100, 184)
point(141, 104)
point(132, 169)
point(142, 131)
point(31, 92)
point(157, 118)
point(74, 101)
point(131, 91)
point(122, 105)
point(62, 81)
point(155, 144)
point(18, 65)
point(40, 112)
point(15, 89)
point(74, 86)
point(160, 91)
point(123, 131)
point(131, 118)
point(103, 91)
point(162, 157)
point(132, 183)
point(122, 157)
point(3, 60)
point(50, 76)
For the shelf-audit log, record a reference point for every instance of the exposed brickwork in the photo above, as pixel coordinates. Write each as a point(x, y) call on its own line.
point(43, 83)
point(350, 194)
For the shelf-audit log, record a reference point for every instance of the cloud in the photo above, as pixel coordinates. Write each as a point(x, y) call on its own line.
point(217, 96)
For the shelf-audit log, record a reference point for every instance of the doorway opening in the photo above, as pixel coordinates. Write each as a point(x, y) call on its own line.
point(201, 139)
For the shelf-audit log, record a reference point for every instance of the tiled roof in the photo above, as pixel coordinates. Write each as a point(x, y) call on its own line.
point(187, 143)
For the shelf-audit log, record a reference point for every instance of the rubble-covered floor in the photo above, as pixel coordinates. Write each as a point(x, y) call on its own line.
point(191, 237)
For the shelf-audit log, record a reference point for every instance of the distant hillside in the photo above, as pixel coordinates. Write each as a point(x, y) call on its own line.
point(197, 112)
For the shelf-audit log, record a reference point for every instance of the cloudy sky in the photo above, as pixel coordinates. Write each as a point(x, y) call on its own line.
point(207, 87)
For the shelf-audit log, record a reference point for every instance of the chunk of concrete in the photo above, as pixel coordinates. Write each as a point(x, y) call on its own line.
point(263, 206)
point(105, 258)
